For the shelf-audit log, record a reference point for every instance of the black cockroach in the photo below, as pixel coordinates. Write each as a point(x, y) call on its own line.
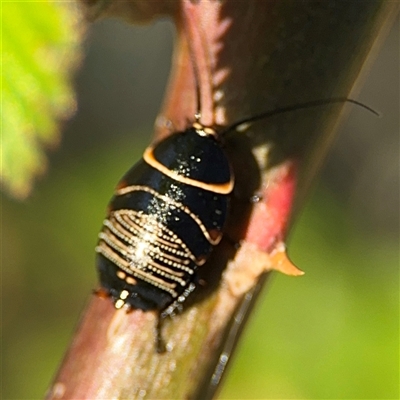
point(167, 214)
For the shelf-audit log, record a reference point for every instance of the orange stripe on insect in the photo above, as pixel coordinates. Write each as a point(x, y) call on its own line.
point(222, 188)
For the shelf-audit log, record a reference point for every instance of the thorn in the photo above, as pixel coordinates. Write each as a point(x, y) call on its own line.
point(281, 262)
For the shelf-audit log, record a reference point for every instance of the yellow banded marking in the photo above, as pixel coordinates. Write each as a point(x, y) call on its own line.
point(127, 219)
point(222, 188)
point(130, 222)
point(115, 244)
point(175, 260)
point(159, 269)
point(103, 249)
point(135, 188)
point(128, 244)
point(125, 229)
point(119, 231)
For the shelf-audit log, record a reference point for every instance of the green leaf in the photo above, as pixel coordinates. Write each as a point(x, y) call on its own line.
point(39, 49)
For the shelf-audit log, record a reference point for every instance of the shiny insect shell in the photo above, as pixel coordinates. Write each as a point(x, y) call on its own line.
point(166, 216)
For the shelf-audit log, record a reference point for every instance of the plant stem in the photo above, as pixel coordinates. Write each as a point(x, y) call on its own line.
point(251, 57)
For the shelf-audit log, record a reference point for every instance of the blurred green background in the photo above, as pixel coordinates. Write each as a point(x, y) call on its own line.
point(332, 334)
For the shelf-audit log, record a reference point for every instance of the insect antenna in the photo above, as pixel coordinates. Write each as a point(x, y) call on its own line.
point(309, 104)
